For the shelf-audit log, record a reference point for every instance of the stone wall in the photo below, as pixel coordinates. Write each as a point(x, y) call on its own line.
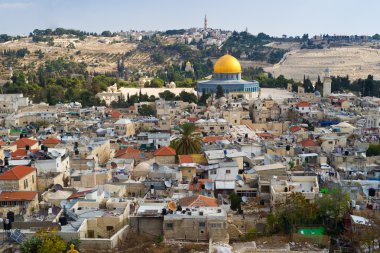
point(105, 244)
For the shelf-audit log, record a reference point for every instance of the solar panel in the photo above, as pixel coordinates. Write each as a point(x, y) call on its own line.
point(17, 236)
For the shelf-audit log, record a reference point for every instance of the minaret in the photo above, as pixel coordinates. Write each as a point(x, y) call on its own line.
point(326, 83)
point(205, 24)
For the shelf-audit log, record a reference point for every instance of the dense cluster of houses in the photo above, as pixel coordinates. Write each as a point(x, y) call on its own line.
point(99, 173)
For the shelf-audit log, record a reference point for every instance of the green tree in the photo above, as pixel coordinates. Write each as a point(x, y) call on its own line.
point(167, 95)
point(31, 245)
point(189, 141)
point(158, 57)
point(44, 242)
point(308, 86)
point(295, 211)
point(235, 202)
point(203, 99)
point(332, 207)
point(156, 83)
point(219, 91)
point(106, 34)
point(373, 150)
point(188, 97)
point(147, 110)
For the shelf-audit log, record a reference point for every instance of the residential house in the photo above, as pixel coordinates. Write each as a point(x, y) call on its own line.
point(282, 187)
point(26, 143)
point(19, 178)
point(197, 224)
point(19, 202)
point(124, 127)
point(303, 107)
point(165, 155)
point(50, 142)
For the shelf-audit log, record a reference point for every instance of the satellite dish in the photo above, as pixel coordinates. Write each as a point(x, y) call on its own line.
point(172, 206)
point(244, 199)
point(168, 184)
point(57, 187)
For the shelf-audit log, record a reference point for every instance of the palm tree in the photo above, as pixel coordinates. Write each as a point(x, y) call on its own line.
point(189, 142)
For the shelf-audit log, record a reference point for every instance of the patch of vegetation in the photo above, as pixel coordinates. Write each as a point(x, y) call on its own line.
point(19, 53)
point(253, 46)
point(373, 150)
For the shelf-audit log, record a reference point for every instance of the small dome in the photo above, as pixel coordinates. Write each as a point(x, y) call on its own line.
point(171, 85)
point(227, 64)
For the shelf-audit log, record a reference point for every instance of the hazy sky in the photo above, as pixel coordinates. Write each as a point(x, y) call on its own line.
point(274, 17)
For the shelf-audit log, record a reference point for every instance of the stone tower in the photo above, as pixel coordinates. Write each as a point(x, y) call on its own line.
point(326, 83)
point(205, 23)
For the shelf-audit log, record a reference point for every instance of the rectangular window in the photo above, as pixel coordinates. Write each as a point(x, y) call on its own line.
point(33, 179)
point(216, 225)
point(202, 224)
point(265, 188)
point(228, 171)
point(169, 226)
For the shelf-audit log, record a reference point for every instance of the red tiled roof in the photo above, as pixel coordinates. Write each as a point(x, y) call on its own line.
point(19, 153)
point(213, 138)
point(303, 104)
point(185, 159)
point(165, 151)
point(127, 150)
point(265, 135)
point(16, 173)
point(192, 119)
point(51, 140)
point(2, 143)
point(21, 143)
point(295, 129)
point(79, 194)
point(115, 114)
point(308, 143)
point(200, 200)
point(17, 195)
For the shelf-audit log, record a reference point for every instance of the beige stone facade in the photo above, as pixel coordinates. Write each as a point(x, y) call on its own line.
point(26, 183)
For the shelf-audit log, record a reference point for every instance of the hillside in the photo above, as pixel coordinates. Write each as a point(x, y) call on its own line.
point(99, 53)
point(354, 61)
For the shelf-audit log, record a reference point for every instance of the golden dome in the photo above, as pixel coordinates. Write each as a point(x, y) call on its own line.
point(227, 64)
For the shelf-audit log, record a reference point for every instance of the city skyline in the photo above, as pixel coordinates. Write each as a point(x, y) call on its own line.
point(274, 17)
